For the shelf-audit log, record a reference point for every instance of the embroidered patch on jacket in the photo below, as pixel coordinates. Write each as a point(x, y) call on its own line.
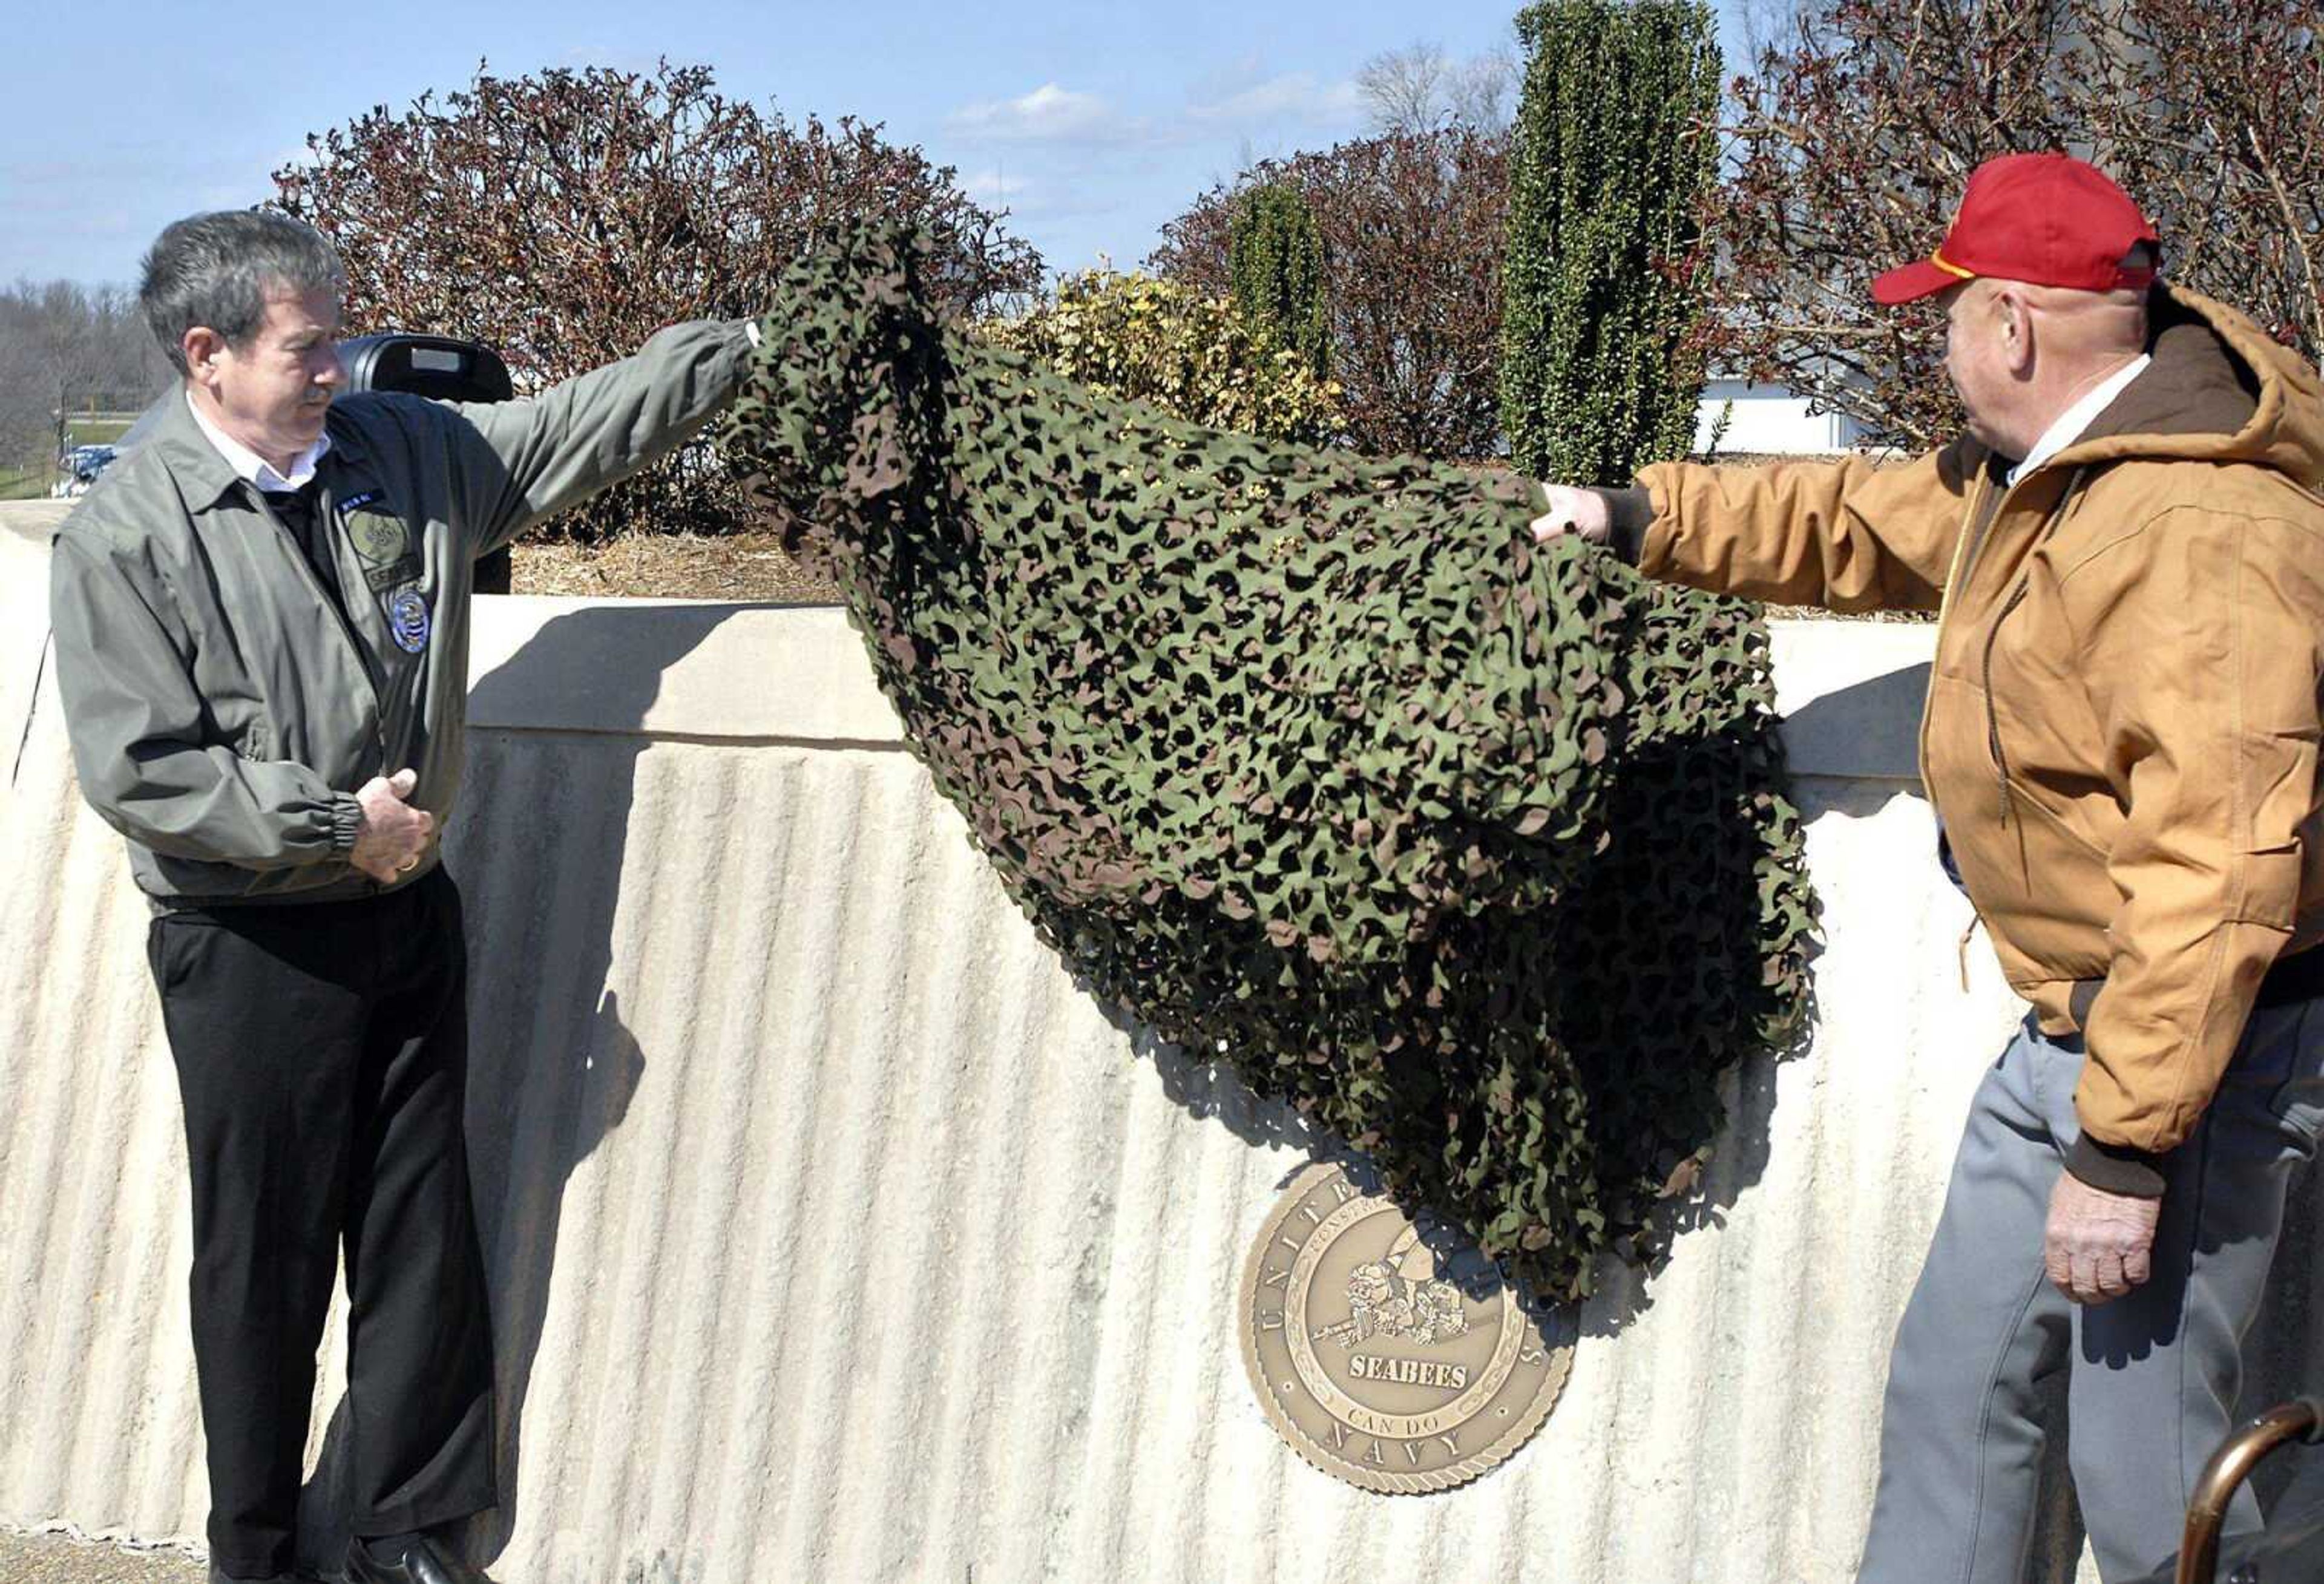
point(378, 534)
point(381, 578)
point(407, 619)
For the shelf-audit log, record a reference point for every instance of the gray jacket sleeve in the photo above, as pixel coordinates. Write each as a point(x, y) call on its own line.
point(521, 461)
point(135, 723)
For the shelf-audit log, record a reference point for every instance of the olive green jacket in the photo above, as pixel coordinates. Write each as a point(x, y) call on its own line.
point(222, 711)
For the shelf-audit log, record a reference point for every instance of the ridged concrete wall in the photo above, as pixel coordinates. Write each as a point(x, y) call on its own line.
point(834, 1235)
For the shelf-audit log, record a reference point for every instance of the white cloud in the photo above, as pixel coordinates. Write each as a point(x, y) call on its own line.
point(996, 187)
point(1293, 97)
point(1049, 113)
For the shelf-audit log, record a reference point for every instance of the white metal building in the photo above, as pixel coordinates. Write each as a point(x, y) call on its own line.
point(1769, 420)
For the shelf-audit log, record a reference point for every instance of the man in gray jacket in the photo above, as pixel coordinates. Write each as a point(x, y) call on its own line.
point(261, 638)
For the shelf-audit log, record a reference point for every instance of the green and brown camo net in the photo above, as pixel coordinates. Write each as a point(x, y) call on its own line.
point(1474, 852)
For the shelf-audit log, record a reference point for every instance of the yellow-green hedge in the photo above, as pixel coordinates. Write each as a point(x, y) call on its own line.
point(1136, 338)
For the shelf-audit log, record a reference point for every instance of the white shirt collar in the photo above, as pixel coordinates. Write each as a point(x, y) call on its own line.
point(256, 469)
point(2071, 423)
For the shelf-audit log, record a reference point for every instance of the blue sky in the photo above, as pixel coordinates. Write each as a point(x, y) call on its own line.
point(1092, 124)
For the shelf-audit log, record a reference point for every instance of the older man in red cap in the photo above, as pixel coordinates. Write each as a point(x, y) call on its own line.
point(2127, 550)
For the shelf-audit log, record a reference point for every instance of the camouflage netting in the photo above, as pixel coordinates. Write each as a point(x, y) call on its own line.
point(1313, 762)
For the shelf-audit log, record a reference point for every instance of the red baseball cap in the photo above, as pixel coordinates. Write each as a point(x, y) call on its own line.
point(2045, 219)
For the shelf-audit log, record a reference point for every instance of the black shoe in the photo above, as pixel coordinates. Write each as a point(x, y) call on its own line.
point(219, 1578)
point(424, 1561)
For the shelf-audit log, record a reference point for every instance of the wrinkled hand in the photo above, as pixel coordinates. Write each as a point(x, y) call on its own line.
point(2098, 1244)
point(395, 836)
point(1573, 511)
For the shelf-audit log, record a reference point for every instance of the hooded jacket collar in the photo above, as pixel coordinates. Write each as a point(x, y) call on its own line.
point(2218, 389)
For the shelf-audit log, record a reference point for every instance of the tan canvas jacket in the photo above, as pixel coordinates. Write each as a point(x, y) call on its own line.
point(2121, 727)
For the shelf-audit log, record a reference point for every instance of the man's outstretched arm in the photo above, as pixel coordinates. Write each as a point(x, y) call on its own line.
point(524, 460)
point(1850, 535)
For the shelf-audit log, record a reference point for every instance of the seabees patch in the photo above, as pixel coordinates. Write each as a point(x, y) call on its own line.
point(392, 568)
point(382, 538)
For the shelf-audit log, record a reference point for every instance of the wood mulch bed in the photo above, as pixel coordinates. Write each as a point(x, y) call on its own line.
point(741, 566)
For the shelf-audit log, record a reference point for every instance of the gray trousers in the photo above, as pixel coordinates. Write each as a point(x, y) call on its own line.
point(2153, 1376)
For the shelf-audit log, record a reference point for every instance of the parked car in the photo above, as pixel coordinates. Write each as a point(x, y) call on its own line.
point(81, 465)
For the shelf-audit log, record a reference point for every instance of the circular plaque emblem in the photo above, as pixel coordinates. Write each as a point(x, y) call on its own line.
point(1395, 1360)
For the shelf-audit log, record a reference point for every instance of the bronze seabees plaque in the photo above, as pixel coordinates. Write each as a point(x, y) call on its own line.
point(1397, 1361)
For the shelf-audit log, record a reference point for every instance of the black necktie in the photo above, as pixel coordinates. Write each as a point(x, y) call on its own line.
point(302, 517)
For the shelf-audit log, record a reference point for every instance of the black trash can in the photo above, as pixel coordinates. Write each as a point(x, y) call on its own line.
point(442, 370)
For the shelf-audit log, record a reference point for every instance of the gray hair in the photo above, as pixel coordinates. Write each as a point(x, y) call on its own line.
point(217, 269)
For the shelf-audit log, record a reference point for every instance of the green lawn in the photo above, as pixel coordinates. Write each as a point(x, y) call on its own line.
point(95, 432)
point(33, 483)
point(26, 483)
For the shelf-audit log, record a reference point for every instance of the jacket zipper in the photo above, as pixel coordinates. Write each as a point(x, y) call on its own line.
point(1993, 716)
point(1955, 581)
point(338, 618)
point(1992, 634)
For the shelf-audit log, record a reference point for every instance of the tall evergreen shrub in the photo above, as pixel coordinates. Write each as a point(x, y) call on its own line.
point(1615, 152)
point(1275, 272)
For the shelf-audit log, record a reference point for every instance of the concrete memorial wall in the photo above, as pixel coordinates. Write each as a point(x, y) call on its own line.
point(833, 1234)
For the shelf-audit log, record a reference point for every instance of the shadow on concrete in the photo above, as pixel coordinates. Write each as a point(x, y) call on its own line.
point(538, 847)
point(1213, 1091)
point(1849, 751)
point(1868, 730)
point(1663, 948)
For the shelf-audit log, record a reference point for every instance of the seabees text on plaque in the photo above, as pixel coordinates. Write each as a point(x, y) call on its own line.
point(1399, 1363)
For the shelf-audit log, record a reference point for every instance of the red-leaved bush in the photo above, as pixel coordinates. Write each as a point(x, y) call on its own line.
point(563, 217)
point(1855, 138)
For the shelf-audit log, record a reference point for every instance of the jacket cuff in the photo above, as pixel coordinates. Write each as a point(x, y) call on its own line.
point(2117, 1168)
point(347, 823)
point(1632, 511)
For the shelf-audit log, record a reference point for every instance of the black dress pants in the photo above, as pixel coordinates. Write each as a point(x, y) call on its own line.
point(322, 1059)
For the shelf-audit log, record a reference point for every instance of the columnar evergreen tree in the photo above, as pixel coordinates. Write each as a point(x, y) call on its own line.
point(1615, 150)
point(1413, 225)
point(1276, 269)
